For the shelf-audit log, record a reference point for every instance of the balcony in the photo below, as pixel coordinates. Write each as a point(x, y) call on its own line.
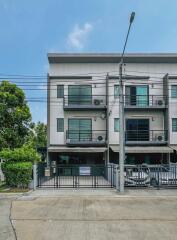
point(86, 138)
point(144, 102)
point(146, 137)
point(84, 103)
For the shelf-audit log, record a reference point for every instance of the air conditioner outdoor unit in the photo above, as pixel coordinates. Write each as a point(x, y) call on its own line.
point(100, 138)
point(98, 101)
point(160, 102)
point(159, 137)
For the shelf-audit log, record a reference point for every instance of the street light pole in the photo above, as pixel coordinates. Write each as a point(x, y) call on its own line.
point(121, 114)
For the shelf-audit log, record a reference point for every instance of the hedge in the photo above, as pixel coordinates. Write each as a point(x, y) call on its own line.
point(23, 154)
point(17, 174)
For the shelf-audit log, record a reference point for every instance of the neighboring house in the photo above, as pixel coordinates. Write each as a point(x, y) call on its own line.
point(83, 108)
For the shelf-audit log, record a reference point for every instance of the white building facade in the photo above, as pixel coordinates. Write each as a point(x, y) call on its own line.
point(83, 108)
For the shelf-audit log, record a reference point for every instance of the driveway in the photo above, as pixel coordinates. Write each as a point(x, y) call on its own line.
point(6, 229)
point(95, 216)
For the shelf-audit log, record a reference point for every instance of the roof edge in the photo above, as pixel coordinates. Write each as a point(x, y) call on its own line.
point(112, 57)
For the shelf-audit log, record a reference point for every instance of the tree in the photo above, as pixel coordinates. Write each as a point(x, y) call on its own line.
point(15, 116)
point(38, 135)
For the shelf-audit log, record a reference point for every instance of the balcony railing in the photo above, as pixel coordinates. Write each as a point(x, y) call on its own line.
point(142, 137)
point(85, 102)
point(145, 101)
point(74, 137)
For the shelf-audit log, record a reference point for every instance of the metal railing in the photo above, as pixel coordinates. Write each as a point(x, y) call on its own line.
point(145, 175)
point(145, 100)
point(99, 176)
point(95, 136)
point(85, 100)
point(146, 135)
point(76, 176)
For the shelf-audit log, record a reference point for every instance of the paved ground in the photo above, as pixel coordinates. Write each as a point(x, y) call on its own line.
point(106, 192)
point(96, 215)
point(6, 230)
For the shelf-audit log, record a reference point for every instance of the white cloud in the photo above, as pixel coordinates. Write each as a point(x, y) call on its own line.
point(78, 36)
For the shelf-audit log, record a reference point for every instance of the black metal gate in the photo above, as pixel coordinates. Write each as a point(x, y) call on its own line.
point(96, 176)
point(76, 176)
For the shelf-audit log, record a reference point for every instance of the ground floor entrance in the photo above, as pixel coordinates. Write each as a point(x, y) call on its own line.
point(92, 169)
point(76, 176)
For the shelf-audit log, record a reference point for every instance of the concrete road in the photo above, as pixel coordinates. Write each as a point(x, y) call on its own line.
point(95, 217)
point(6, 230)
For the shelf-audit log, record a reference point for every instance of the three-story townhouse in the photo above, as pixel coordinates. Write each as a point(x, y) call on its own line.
point(83, 108)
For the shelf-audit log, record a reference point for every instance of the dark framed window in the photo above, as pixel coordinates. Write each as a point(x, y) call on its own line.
point(174, 91)
point(137, 95)
point(60, 124)
point(116, 125)
point(137, 129)
point(174, 124)
point(80, 94)
point(60, 91)
point(116, 91)
point(79, 129)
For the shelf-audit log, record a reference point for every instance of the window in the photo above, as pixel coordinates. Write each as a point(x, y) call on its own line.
point(60, 91)
point(80, 129)
point(174, 91)
point(60, 124)
point(137, 129)
point(80, 94)
point(174, 124)
point(116, 125)
point(116, 91)
point(137, 95)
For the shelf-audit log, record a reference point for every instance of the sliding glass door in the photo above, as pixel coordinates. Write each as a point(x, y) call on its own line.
point(80, 94)
point(137, 130)
point(142, 95)
point(80, 129)
point(137, 95)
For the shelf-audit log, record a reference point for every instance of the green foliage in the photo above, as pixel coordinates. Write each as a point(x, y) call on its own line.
point(15, 116)
point(17, 174)
point(23, 154)
point(37, 136)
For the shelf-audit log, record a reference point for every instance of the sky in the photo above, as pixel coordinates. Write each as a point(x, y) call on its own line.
point(31, 29)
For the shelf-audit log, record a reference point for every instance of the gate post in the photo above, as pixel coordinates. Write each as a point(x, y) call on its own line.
point(56, 175)
point(159, 177)
point(117, 178)
point(1, 173)
point(34, 176)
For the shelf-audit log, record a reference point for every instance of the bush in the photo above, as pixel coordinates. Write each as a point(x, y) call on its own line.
point(23, 154)
point(17, 174)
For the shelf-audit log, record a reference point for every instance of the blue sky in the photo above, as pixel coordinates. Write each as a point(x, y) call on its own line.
point(30, 29)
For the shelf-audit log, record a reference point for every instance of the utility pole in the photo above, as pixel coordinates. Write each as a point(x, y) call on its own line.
point(121, 113)
point(107, 117)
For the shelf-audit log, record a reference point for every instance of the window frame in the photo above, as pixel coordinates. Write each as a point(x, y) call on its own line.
point(62, 91)
point(174, 126)
point(116, 96)
point(58, 125)
point(115, 119)
point(137, 99)
point(79, 99)
point(80, 133)
point(172, 90)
